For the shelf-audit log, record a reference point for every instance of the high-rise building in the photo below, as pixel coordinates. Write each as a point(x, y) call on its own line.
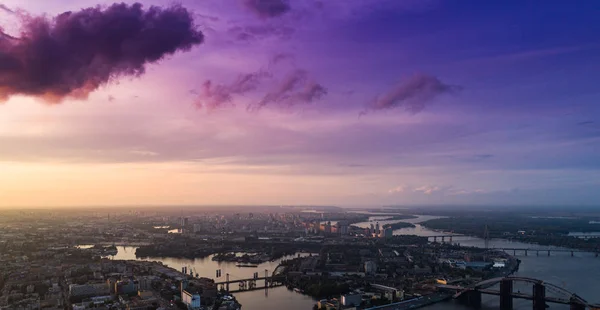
point(342, 227)
point(328, 227)
point(370, 267)
point(388, 232)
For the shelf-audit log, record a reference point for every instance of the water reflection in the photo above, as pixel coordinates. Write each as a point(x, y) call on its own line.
point(206, 267)
point(275, 298)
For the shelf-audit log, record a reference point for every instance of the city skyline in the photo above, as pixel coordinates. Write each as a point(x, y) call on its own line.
point(349, 103)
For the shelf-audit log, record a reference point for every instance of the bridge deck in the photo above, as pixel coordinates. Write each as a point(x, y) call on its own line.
point(249, 279)
point(255, 288)
point(485, 287)
point(527, 296)
point(540, 250)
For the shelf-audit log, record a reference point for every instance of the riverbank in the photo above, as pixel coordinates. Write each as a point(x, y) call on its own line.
point(398, 225)
point(577, 274)
point(325, 284)
point(536, 231)
point(438, 297)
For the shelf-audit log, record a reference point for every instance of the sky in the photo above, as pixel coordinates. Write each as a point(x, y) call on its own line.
point(301, 102)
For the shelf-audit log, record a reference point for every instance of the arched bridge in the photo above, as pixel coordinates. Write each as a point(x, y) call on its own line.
point(472, 295)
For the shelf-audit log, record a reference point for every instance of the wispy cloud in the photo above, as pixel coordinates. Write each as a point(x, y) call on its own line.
point(456, 192)
point(427, 189)
point(215, 96)
point(267, 8)
point(144, 153)
point(447, 190)
point(413, 94)
point(397, 189)
point(530, 54)
point(483, 156)
point(293, 89)
point(585, 123)
point(279, 58)
point(251, 33)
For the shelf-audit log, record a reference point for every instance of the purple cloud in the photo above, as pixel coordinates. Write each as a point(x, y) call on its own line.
point(295, 88)
point(280, 57)
point(312, 91)
point(261, 32)
point(74, 53)
point(267, 8)
point(413, 94)
point(218, 96)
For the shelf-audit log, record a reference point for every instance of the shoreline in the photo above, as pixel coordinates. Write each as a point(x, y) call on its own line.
point(434, 298)
point(548, 247)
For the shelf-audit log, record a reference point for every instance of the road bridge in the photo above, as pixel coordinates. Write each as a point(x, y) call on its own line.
point(472, 295)
point(537, 251)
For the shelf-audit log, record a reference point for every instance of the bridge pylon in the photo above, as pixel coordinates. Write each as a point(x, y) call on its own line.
point(506, 290)
point(471, 298)
point(227, 284)
point(266, 278)
point(539, 297)
point(575, 305)
point(486, 237)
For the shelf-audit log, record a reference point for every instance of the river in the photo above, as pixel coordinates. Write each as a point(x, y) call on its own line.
point(579, 274)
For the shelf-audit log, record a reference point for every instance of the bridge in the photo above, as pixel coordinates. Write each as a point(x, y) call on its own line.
point(525, 251)
point(443, 237)
point(471, 295)
point(538, 251)
point(250, 284)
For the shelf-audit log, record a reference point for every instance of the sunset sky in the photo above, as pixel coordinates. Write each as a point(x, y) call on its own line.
point(331, 102)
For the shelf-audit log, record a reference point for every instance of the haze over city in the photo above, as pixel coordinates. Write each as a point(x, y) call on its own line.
point(346, 103)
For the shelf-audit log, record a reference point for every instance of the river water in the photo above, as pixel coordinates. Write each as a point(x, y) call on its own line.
point(579, 274)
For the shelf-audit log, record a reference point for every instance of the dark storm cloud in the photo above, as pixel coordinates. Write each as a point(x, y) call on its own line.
point(74, 53)
point(413, 94)
point(214, 96)
point(295, 88)
point(267, 8)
